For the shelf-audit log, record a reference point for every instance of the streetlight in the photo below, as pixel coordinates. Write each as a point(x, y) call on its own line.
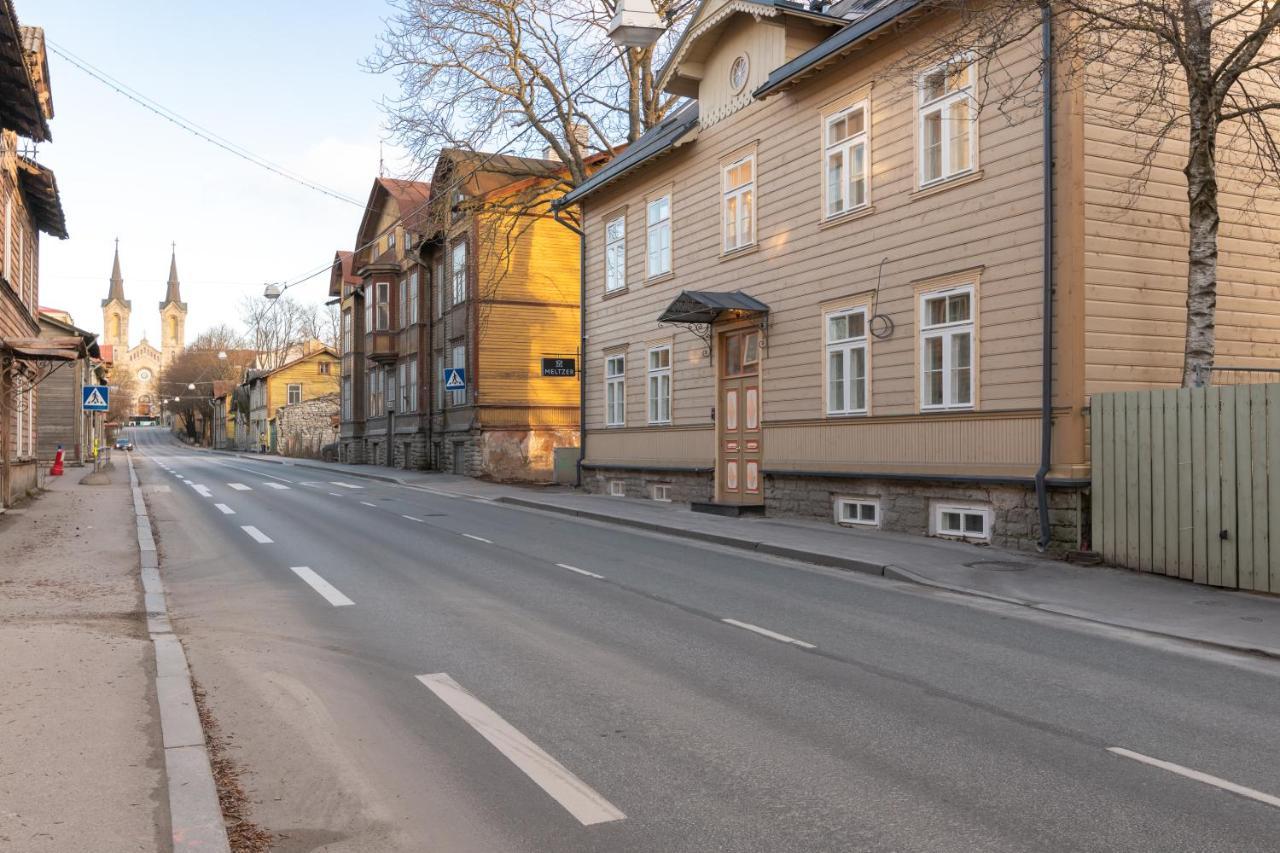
point(635, 24)
point(272, 290)
point(191, 386)
point(222, 355)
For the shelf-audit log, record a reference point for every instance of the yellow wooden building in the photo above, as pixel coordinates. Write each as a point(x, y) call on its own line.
point(310, 375)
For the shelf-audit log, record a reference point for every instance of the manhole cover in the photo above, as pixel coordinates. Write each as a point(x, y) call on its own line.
point(998, 565)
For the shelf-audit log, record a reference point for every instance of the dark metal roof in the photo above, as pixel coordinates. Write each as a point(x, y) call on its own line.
point(20, 107)
point(704, 306)
point(41, 191)
point(657, 140)
point(838, 43)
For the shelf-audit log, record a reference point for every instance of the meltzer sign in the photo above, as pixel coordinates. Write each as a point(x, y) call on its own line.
point(559, 367)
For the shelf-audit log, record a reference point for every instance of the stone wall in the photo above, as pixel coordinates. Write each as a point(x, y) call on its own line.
point(526, 455)
point(302, 429)
point(686, 486)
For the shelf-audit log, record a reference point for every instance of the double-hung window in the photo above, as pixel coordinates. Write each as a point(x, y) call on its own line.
point(847, 362)
point(458, 270)
point(402, 307)
point(947, 348)
point(295, 394)
point(439, 380)
point(374, 379)
point(615, 390)
point(658, 256)
point(737, 206)
point(346, 331)
point(437, 281)
point(948, 121)
point(390, 398)
point(368, 309)
point(660, 385)
point(382, 306)
point(413, 297)
point(847, 155)
point(615, 254)
point(408, 378)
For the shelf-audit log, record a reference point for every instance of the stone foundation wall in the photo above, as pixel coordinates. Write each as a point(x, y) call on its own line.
point(686, 486)
point(412, 451)
point(905, 506)
point(522, 455)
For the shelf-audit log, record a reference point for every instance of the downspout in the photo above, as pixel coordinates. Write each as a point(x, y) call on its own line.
point(582, 343)
point(1046, 378)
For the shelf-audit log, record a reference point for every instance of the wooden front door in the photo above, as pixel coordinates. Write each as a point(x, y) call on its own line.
point(740, 439)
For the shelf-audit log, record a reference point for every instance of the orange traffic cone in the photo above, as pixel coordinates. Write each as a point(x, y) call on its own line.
point(56, 470)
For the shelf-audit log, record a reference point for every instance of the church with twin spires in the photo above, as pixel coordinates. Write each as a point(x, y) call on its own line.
point(143, 361)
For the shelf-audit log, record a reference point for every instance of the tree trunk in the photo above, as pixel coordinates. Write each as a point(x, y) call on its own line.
point(1202, 198)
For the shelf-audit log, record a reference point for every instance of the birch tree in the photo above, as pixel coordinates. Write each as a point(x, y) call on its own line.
point(1199, 78)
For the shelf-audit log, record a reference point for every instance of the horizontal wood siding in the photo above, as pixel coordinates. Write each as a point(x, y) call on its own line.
point(513, 341)
point(992, 224)
point(693, 448)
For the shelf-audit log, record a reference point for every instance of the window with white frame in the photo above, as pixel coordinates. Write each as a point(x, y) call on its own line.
point(437, 281)
point(615, 254)
point(947, 348)
point(346, 331)
point(967, 521)
point(617, 488)
point(346, 398)
point(374, 379)
point(391, 239)
point(658, 256)
point(660, 385)
point(847, 362)
point(847, 155)
point(948, 121)
point(408, 386)
point(295, 394)
point(737, 206)
point(458, 271)
point(439, 380)
point(390, 398)
point(382, 306)
point(413, 297)
point(863, 512)
point(402, 306)
point(615, 390)
point(459, 398)
point(368, 309)
point(661, 492)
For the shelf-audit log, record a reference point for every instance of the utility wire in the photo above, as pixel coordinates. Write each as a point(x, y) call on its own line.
point(188, 125)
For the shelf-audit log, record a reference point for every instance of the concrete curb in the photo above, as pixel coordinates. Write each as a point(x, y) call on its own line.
point(194, 813)
point(885, 570)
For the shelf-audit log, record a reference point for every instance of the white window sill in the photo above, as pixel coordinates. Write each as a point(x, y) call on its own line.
point(660, 277)
point(846, 216)
point(729, 254)
point(945, 184)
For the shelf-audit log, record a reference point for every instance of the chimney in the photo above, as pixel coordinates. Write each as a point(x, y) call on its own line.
point(549, 153)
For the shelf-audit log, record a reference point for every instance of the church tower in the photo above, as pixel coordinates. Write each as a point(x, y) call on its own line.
point(115, 310)
point(173, 317)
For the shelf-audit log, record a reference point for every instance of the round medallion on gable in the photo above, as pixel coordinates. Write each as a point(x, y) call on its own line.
point(738, 72)
point(144, 374)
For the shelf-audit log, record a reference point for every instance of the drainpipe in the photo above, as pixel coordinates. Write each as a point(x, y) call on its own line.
point(1046, 378)
point(582, 344)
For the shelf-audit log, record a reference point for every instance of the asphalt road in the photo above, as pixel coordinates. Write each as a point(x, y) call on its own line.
point(404, 670)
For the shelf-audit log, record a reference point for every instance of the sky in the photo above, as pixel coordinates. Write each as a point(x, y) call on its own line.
point(282, 78)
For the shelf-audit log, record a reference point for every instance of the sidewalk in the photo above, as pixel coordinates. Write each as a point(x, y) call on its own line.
point(1151, 603)
point(80, 751)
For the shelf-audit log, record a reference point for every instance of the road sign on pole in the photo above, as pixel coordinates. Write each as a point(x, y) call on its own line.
point(96, 398)
point(455, 379)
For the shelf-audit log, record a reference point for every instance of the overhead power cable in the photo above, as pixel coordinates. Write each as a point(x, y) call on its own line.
point(195, 129)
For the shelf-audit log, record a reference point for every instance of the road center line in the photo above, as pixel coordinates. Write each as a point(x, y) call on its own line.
point(257, 534)
point(368, 503)
point(344, 485)
point(322, 586)
point(202, 491)
point(548, 774)
point(765, 632)
point(410, 517)
point(1215, 781)
point(240, 487)
point(225, 510)
point(478, 538)
point(276, 486)
point(335, 494)
point(580, 571)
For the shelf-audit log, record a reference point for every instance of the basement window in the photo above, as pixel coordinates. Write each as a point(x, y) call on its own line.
point(965, 522)
point(860, 512)
point(662, 492)
point(617, 489)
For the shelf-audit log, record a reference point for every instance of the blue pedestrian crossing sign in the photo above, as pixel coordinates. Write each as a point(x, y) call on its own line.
point(96, 398)
point(455, 379)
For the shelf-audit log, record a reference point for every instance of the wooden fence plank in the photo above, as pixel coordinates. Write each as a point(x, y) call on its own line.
point(1213, 484)
point(1119, 545)
point(1186, 490)
point(1258, 495)
point(1242, 535)
point(1169, 404)
point(1143, 449)
point(1273, 484)
point(1199, 486)
point(1159, 491)
point(1228, 545)
point(1133, 535)
point(1100, 465)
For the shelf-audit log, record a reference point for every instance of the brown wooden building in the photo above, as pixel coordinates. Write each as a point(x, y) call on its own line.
point(820, 286)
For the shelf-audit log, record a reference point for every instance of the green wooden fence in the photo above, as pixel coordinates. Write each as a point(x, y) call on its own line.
point(1186, 483)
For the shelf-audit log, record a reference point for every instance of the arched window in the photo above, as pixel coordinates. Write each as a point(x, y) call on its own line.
point(115, 326)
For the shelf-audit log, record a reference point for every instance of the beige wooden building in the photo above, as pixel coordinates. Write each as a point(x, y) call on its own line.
point(819, 287)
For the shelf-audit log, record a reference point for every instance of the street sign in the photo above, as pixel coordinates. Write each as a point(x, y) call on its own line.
point(559, 367)
point(455, 379)
point(95, 398)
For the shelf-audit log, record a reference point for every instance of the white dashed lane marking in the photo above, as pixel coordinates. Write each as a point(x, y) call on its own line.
point(344, 485)
point(224, 509)
point(203, 491)
point(765, 632)
point(256, 534)
point(478, 538)
point(322, 586)
point(580, 571)
point(276, 486)
point(367, 503)
point(412, 518)
point(1188, 773)
point(240, 487)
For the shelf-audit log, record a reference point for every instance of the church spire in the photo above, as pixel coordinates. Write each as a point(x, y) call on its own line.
point(116, 293)
point(172, 295)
